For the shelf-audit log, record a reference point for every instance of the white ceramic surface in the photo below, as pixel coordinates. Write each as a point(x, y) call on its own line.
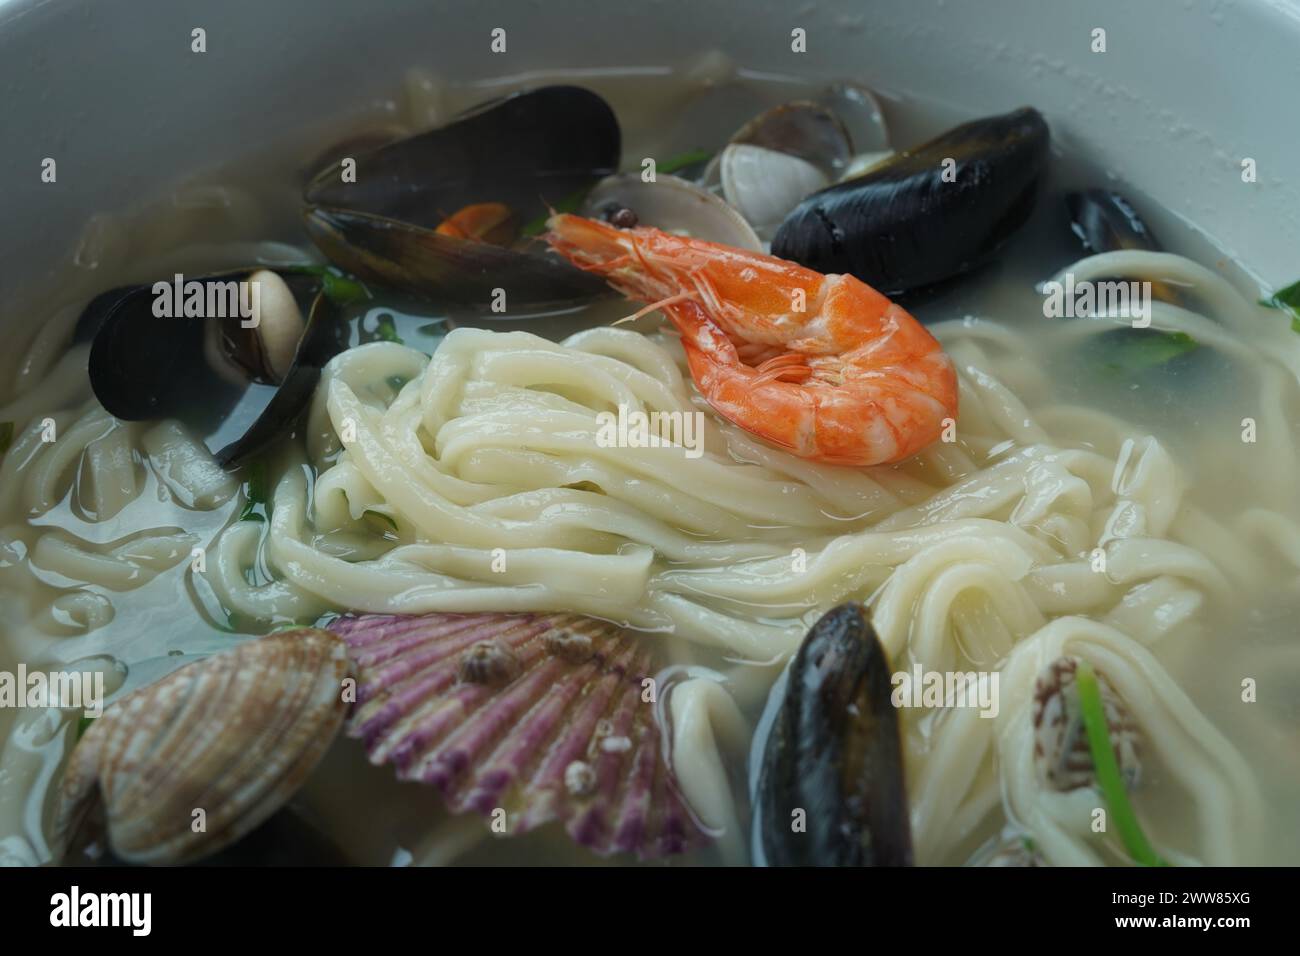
point(1185, 91)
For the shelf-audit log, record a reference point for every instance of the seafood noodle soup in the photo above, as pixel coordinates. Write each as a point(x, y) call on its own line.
point(610, 468)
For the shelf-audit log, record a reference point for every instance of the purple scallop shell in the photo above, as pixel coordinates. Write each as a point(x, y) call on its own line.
point(541, 715)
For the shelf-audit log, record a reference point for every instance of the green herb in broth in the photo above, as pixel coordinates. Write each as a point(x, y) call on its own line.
point(685, 160)
point(6, 436)
point(569, 203)
point(1288, 300)
point(1109, 780)
point(339, 288)
point(384, 330)
point(255, 492)
point(83, 724)
point(1149, 349)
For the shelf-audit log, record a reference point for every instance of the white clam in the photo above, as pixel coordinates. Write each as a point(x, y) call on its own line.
point(859, 110)
point(225, 741)
point(673, 205)
point(763, 185)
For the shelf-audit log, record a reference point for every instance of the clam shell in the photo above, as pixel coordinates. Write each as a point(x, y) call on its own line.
point(234, 735)
point(1060, 741)
point(764, 185)
point(800, 128)
point(859, 110)
point(674, 205)
point(542, 716)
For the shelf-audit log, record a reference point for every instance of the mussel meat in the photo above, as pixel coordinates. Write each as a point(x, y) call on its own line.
point(927, 214)
point(831, 791)
point(396, 221)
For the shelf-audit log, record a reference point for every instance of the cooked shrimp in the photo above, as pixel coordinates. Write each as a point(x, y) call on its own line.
point(822, 365)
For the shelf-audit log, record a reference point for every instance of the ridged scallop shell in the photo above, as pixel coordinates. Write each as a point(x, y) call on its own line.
point(540, 715)
point(1060, 740)
point(234, 735)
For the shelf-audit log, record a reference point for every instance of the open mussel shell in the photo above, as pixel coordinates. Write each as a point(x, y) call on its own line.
point(524, 150)
point(186, 766)
point(1107, 222)
point(529, 152)
point(144, 366)
point(915, 220)
point(831, 791)
point(542, 716)
point(444, 268)
point(672, 204)
point(325, 335)
point(136, 339)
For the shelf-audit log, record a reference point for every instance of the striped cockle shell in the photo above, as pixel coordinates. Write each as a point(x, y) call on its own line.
point(1061, 746)
point(544, 716)
point(234, 736)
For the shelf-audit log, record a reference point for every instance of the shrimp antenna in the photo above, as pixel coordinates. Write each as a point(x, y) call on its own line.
point(679, 297)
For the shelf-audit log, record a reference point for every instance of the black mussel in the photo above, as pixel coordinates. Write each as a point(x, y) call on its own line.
point(831, 791)
point(398, 221)
point(1106, 222)
point(192, 349)
point(325, 335)
point(927, 214)
point(443, 267)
